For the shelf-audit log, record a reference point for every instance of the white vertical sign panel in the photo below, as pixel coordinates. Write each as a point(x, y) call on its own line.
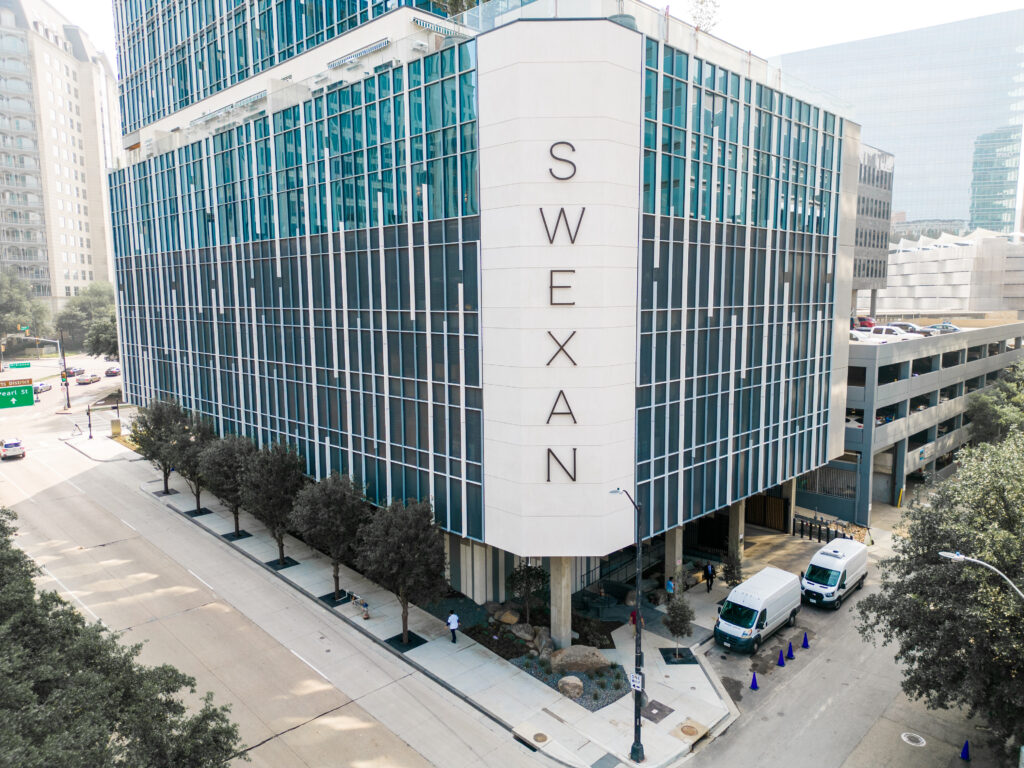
point(560, 117)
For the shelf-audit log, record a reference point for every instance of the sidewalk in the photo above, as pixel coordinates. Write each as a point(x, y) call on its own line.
point(680, 694)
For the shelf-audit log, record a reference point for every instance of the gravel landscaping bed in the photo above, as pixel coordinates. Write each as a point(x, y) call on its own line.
point(599, 690)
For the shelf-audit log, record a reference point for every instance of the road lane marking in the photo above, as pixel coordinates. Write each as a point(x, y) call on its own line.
point(133, 528)
point(201, 580)
point(309, 665)
point(64, 587)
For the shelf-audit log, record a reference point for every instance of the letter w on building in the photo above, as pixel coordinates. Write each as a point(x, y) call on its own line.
point(552, 233)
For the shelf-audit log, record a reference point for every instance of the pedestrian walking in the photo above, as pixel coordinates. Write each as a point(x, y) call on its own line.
point(632, 621)
point(709, 575)
point(453, 623)
point(670, 587)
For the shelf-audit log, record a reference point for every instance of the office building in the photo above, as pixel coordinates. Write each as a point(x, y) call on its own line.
point(952, 276)
point(935, 98)
point(874, 213)
point(508, 262)
point(58, 138)
point(905, 415)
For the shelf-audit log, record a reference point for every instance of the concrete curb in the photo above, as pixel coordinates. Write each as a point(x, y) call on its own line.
point(367, 634)
point(66, 442)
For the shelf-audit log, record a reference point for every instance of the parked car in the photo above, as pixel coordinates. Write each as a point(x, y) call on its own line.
point(758, 607)
point(41, 386)
point(864, 321)
point(914, 328)
point(112, 371)
point(11, 448)
point(88, 378)
point(893, 334)
point(945, 327)
point(836, 569)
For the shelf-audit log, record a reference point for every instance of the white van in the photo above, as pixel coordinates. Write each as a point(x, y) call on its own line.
point(837, 569)
point(758, 607)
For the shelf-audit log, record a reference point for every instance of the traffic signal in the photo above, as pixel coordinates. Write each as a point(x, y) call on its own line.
point(63, 377)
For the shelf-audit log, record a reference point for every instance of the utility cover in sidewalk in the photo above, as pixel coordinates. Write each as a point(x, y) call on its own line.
point(655, 711)
point(606, 761)
point(202, 511)
point(232, 536)
point(162, 492)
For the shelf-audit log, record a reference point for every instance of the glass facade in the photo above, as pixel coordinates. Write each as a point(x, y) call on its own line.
point(996, 170)
point(927, 95)
point(740, 216)
point(174, 54)
point(310, 277)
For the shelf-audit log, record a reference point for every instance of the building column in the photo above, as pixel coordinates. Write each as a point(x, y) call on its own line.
point(899, 470)
point(561, 601)
point(789, 494)
point(865, 472)
point(737, 522)
point(480, 573)
point(673, 551)
point(874, 302)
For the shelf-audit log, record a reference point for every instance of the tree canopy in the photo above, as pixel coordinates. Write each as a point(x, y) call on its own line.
point(998, 410)
point(222, 464)
point(402, 550)
point(101, 336)
point(184, 452)
point(18, 308)
point(272, 478)
point(678, 620)
point(73, 696)
point(94, 303)
point(957, 626)
point(155, 426)
point(525, 581)
point(329, 515)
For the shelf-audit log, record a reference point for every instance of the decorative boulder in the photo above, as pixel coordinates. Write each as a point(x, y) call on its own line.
point(523, 631)
point(578, 658)
point(546, 651)
point(541, 635)
point(492, 607)
point(571, 686)
point(509, 617)
point(630, 599)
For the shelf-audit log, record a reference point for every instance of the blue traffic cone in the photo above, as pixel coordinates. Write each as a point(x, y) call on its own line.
point(965, 753)
point(789, 652)
point(753, 682)
point(805, 644)
point(782, 661)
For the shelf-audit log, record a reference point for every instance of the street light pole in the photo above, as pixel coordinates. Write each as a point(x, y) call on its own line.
point(636, 752)
point(956, 557)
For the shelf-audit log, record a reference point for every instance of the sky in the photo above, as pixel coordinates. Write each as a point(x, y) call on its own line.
point(767, 28)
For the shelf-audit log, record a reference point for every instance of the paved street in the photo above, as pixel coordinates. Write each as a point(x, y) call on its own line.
point(125, 560)
point(837, 704)
point(307, 690)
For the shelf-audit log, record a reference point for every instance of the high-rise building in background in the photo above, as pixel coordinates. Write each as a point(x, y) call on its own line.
point(874, 214)
point(945, 100)
point(507, 263)
point(996, 178)
point(58, 137)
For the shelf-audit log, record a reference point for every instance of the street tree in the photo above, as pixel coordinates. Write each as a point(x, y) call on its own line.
point(957, 626)
point(153, 429)
point(525, 582)
point(73, 696)
point(185, 449)
point(679, 618)
point(95, 302)
point(402, 550)
point(732, 570)
point(998, 410)
point(101, 336)
point(18, 309)
point(222, 465)
point(271, 480)
point(329, 515)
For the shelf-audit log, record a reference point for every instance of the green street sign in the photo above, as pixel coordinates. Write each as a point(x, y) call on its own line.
point(13, 397)
point(20, 365)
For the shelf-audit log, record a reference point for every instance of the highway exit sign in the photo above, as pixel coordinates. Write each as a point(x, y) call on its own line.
point(19, 365)
point(14, 397)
